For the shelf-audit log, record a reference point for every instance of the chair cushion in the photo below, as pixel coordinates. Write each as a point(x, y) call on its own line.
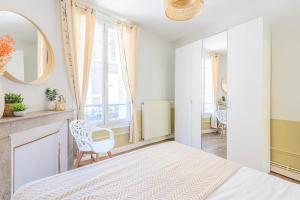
point(103, 146)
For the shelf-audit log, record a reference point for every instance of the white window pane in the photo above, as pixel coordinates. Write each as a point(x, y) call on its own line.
point(94, 102)
point(117, 97)
point(208, 81)
point(113, 51)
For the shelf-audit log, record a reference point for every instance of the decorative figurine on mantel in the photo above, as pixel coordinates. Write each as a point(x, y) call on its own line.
point(6, 50)
point(60, 103)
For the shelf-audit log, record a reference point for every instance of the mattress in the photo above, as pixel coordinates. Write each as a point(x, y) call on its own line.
point(168, 171)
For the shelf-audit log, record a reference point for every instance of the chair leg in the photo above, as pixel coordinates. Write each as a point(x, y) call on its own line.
point(109, 154)
point(78, 159)
point(220, 129)
point(92, 157)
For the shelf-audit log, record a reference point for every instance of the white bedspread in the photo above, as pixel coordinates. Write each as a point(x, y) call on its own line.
point(249, 184)
point(164, 171)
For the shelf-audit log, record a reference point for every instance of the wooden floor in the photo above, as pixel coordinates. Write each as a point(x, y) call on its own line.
point(284, 177)
point(215, 143)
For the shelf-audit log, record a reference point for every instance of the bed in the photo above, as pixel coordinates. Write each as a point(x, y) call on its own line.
point(164, 171)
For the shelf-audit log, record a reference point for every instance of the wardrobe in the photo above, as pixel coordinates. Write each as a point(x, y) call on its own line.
point(248, 97)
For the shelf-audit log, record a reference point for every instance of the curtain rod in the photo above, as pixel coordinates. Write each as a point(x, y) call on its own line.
point(103, 13)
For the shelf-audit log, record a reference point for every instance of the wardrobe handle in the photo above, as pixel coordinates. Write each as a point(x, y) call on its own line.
point(228, 103)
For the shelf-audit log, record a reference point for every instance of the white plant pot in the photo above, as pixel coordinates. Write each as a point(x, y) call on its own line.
point(19, 113)
point(2, 103)
point(51, 105)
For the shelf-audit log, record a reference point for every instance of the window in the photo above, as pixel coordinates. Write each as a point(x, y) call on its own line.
point(208, 91)
point(107, 100)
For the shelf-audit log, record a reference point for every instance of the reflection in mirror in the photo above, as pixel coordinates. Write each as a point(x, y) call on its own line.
point(214, 92)
point(224, 85)
point(32, 58)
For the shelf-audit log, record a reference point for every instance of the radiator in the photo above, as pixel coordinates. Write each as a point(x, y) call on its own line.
point(156, 119)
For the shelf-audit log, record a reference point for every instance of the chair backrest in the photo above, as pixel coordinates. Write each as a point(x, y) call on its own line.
point(222, 116)
point(81, 131)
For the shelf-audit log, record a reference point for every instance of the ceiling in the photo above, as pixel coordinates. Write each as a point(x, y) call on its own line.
point(150, 14)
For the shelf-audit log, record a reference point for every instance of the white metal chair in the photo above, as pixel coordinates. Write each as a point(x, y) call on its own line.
point(82, 132)
point(222, 118)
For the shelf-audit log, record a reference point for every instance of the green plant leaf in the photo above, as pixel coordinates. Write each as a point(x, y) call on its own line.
point(18, 107)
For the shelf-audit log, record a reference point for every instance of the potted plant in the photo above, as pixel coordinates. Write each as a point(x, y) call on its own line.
point(51, 95)
point(19, 109)
point(6, 49)
point(10, 99)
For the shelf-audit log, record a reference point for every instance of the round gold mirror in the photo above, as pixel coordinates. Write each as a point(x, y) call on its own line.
point(32, 62)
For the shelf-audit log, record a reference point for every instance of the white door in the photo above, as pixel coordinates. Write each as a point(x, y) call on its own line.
point(183, 95)
point(248, 115)
point(196, 93)
point(188, 94)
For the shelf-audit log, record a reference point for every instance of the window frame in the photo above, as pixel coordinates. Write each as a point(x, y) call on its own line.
point(105, 86)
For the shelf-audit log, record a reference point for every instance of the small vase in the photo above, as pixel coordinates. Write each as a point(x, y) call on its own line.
point(8, 111)
point(1, 101)
point(19, 113)
point(51, 105)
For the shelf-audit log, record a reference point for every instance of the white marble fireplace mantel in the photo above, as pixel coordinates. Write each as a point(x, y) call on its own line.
point(28, 143)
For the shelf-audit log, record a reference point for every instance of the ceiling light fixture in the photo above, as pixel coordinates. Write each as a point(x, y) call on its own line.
point(182, 10)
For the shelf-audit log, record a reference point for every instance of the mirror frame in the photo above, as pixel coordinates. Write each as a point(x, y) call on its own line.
point(49, 68)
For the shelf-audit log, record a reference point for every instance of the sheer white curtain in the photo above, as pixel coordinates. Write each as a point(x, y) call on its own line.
point(215, 69)
point(78, 26)
point(128, 42)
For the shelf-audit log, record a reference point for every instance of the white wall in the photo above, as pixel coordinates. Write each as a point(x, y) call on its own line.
point(30, 59)
point(16, 64)
point(155, 73)
point(46, 15)
point(286, 71)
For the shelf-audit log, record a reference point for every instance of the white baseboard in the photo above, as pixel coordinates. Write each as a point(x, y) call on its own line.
point(140, 144)
point(285, 171)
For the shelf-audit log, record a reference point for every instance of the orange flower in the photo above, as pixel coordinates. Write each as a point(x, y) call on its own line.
point(6, 46)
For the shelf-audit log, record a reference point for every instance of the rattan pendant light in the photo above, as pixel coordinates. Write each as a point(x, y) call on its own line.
point(182, 10)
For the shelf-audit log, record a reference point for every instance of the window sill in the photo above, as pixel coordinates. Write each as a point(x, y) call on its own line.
point(118, 128)
point(117, 132)
point(112, 125)
point(117, 125)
